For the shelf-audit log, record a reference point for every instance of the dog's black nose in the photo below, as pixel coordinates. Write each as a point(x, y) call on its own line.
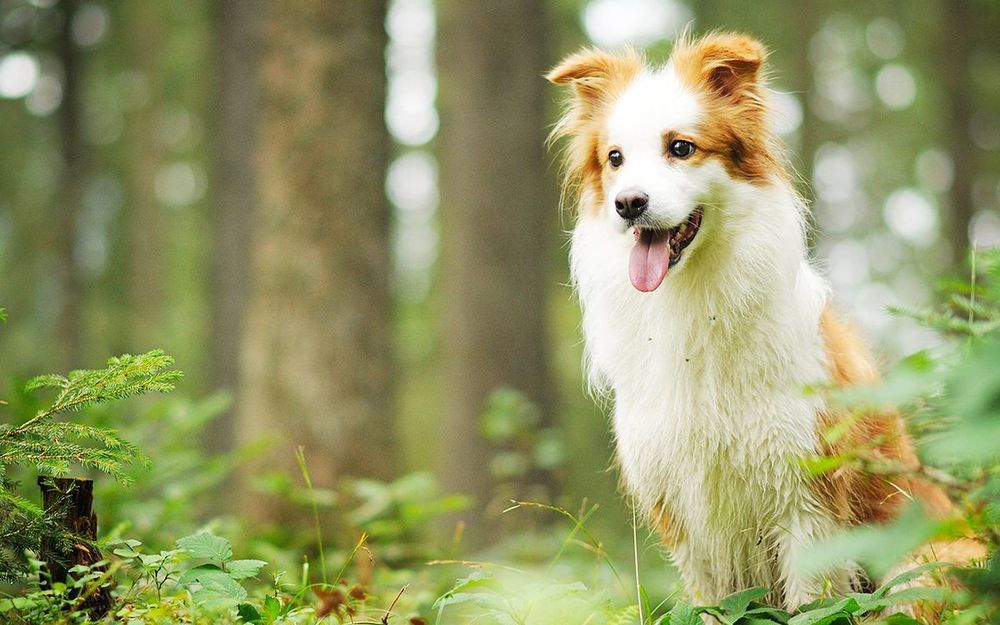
point(631, 203)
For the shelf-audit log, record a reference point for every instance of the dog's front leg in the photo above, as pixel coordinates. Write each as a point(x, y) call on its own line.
point(793, 538)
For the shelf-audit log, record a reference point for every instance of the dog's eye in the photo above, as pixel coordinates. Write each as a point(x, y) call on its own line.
point(615, 158)
point(681, 148)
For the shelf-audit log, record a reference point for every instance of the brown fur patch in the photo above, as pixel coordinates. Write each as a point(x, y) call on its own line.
point(877, 437)
point(670, 532)
point(854, 496)
point(598, 78)
point(728, 71)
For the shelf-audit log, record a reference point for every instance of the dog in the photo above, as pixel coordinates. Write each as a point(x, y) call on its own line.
point(705, 321)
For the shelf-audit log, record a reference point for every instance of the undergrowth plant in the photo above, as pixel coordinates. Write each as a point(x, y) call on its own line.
point(51, 444)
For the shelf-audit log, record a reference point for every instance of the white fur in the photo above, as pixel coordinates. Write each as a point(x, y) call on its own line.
point(708, 370)
point(653, 101)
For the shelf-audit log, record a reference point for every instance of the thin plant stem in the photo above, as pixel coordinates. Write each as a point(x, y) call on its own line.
point(635, 557)
point(300, 457)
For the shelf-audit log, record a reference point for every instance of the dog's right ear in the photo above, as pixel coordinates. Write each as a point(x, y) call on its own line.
point(593, 72)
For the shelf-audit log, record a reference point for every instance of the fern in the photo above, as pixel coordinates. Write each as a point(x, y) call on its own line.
point(53, 447)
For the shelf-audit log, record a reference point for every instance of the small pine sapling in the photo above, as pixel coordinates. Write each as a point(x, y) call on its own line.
point(53, 446)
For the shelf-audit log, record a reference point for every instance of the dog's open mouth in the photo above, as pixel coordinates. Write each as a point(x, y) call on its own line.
point(656, 251)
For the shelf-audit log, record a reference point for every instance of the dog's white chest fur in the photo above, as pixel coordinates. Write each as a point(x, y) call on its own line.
point(707, 374)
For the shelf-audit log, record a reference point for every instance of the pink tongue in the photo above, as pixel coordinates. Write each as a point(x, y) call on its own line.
point(647, 266)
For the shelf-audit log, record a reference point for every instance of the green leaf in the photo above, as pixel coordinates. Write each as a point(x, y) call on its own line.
point(242, 569)
point(213, 581)
point(645, 599)
point(684, 614)
point(738, 602)
point(878, 547)
point(900, 619)
point(478, 579)
point(248, 613)
point(908, 576)
point(775, 614)
point(840, 610)
point(272, 607)
point(207, 546)
point(917, 593)
point(152, 560)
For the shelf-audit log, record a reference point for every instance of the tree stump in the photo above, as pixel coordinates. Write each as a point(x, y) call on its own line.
point(69, 500)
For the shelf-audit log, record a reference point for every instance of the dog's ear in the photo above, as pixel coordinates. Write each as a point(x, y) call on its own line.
point(730, 65)
point(594, 72)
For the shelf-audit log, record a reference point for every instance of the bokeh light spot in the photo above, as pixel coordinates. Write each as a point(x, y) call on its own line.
point(613, 23)
point(18, 75)
point(911, 216)
point(895, 87)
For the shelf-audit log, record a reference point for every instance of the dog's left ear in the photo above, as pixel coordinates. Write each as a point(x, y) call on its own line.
point(731, 65)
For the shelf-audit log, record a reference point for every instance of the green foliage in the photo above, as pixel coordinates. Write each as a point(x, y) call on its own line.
point(514, 598)
point(54, 602)
point(742, 608)
point(52, 447)
point(511, 424)
point(954, 407)
point(952, 394)
point(174, 495)
point(216, 581)
point(201, 579)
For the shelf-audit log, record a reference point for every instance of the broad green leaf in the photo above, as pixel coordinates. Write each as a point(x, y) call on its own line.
point(207, 546)
point(242, 569)
point(478, 579)
point(248, 613)
point(213, 581)
point(841, 609)
point(738, 602)
point(900, 619)
point(916, 593)
point(272, 607)
point(150, 559)
point(775, 614)
point(908, 576)
point(684, 614)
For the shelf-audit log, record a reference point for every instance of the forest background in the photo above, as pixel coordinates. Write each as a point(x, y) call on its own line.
point(342, 220)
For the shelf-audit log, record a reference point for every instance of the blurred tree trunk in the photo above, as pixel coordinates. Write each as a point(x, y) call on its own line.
point(69, 328)
point(144, 224)
point(317, 357)
point(497, 220)
point(959, 26)
point(236, 26)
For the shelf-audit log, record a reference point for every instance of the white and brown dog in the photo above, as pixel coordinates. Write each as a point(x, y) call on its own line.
point(705, 320)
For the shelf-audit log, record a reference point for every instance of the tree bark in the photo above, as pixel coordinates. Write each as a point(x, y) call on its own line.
point(497, 216)
point(959, 26)
point(317, 357)
point(68, 332)
point(71, 500)
point(236, 25)
point(143, 217)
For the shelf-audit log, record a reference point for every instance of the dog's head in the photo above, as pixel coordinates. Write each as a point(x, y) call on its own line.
point(650, 149)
